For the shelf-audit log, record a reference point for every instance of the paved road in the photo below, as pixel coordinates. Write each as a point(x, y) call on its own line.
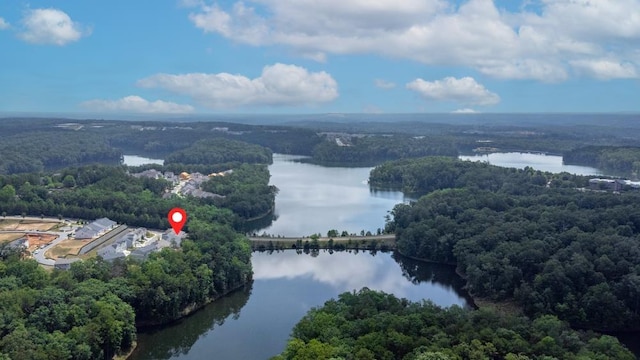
point(39, 256)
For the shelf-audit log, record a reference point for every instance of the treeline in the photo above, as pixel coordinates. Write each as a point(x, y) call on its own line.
point(216, 151)
point(34, 145)
point(159, 139)
point(555, 250)
point(375, 325)
point(88, 312)
point(91, 311)
point(93, 192)
point(424, 175)
point(375, 149)
point(54, 316)
point(246, 190)
point(40, 150)
point(623, 160)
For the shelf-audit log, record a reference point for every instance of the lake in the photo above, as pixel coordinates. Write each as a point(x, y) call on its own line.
point(255, 322)
point(135, 160)
point(315, 199)
point(543, 162)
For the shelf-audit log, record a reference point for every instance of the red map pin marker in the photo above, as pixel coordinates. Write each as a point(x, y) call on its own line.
point(177, 219)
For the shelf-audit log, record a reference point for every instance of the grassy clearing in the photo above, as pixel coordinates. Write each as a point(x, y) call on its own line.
point(66, 247)
point(8, 224)
point(5, 238)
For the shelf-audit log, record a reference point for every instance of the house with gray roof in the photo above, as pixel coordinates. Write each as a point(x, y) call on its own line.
point(175, 240)
point(95, 228)
point(64, 264)
point(142, 253)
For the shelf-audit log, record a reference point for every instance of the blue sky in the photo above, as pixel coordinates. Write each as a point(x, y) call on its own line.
point(319, 56)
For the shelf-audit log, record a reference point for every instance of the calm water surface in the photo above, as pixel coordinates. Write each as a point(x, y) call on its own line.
point(316, 199)
point(255, 323)
point(551, 163)
point(135, 160)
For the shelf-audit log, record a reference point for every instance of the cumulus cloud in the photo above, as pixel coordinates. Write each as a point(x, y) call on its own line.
point(52, 27)
point(382, 84)
point(606, 69)
point(3, 24)
point(464, 91)
point(278, 85)
point(543, 44)
point(137, 104)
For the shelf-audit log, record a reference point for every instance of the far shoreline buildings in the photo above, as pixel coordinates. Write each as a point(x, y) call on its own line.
point(184, 184)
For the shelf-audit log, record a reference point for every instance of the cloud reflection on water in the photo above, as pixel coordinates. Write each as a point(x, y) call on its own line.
point(345, 271)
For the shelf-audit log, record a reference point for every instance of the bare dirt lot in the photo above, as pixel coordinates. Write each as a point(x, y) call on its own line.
point(40, 225)
point(66, 247)
point(35, 240)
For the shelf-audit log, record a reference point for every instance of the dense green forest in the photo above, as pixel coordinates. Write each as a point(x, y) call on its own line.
point(39, 150)
point(621, 160)
point(375, 325)
point(374, 149)
point(217, 151)
point(91, 311)
point(525, 235)
point(246, 191)
point(214, 261)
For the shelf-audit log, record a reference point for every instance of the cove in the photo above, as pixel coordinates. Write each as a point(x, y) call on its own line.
point(255, 322)
point(315, 199)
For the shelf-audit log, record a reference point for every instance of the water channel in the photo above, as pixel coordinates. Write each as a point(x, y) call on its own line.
point(255, 323)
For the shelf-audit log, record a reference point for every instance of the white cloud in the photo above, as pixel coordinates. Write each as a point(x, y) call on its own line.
point(3, 24)
point(542, 45)
point(464, 91)
point(464, 111)
point(136, 104)
point(279, 84)
point(382, 84)
point(606, 69)
point(52, 27)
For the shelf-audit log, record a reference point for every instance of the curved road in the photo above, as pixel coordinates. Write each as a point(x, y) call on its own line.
point(39, 256)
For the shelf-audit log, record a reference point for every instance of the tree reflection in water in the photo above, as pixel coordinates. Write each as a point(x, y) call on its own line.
point(177, 339)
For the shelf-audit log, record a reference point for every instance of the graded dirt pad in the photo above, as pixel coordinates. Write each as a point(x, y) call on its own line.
point(35, 240)
point(28, 225)
point(66, 247)
point(36, 225)
point(4, 238)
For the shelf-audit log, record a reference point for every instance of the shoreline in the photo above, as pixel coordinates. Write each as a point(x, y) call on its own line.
point(188, 311)
point(510, 306)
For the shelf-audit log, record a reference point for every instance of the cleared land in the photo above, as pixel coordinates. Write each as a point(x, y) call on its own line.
point(35, 240)
point(18, 225)
point(66, 247)
point(4, 238)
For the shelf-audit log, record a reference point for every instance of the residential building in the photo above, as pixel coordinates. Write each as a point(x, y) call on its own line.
point(175, 240)
point(142, 253)
point(64, 264)
point(96, 228)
